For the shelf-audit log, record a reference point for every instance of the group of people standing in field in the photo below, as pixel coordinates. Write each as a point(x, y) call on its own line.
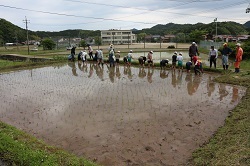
point(212, 57)
point(226, 52)
point(177, 58)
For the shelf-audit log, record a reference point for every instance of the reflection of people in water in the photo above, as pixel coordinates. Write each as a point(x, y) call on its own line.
point(210, 86)
point(99, 72)
point(192, 83)
point(235, 95)
point(91, 69)
point(142, 72)
point(80, 65)
point(117, 72)
point(73, 66)
point(196, 83)
point(179, 78)
point(164, 74)
point(222, 91)
point(125, 70)
point(130, 76)
point(173, 78)
point(111, 74)
point(150, 74)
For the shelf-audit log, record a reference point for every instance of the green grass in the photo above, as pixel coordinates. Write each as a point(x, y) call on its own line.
point(4, 63)
point(230, 145)
point(19, 148)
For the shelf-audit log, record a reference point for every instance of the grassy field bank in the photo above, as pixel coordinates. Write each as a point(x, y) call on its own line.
point(230, 145)
point(19, 148)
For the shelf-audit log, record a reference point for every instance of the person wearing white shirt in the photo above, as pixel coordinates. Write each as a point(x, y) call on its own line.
point(180, 61)
point(100, 57)
point(212, 56)
point(84, 56)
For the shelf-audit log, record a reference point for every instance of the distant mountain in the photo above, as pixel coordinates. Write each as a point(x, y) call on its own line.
point(247, 24)
point(225, 28)
point(10, 33)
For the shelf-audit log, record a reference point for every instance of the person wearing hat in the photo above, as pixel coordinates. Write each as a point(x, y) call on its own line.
point(90, 51)
point(163, 63)
point(100, 57)
point(193, 51)
point(111, 58)
point(174, 60)
point(238, 58)
point(129, 57)
point(117, 57)
point(180, 61)
point(188, 66)
point(150, 59)
point(212, 56)
point(226, 51)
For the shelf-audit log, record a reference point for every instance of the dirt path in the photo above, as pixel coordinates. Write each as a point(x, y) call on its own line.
point(117, 117)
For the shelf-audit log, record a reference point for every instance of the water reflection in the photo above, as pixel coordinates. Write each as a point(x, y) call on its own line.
point(235, 96)
point(150, 74)
point(142, 73)
point(164, 74)
point(210, 86)
point(111, 71)
point(117, 72)
point(191, 82)
point(73, 68)
point(174, 80)
point(222, 91)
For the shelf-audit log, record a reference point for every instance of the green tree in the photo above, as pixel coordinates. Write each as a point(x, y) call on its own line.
point(35, 37)
point(140, 37)
point(98, 41)
point(83, 44)
point(48, 44)
point(197, 35)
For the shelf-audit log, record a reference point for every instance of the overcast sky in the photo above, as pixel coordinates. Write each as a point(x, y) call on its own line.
point(57, 15)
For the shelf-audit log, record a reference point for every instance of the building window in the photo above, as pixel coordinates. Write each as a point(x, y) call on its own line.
point(125, 33)
point(106, 38)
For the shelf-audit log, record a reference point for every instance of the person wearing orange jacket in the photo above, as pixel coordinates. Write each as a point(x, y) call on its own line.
point(238, 58)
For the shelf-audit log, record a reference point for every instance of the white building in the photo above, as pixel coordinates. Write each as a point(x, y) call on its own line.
point(115, 36)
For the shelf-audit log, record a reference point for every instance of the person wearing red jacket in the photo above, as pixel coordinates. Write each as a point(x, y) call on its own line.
point(238, 58)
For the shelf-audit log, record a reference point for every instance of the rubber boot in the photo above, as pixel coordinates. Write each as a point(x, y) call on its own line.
point(226, 67)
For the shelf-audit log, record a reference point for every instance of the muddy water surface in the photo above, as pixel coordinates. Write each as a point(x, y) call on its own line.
point(117, 116)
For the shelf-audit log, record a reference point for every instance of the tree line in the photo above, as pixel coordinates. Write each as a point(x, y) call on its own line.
point(10, 33)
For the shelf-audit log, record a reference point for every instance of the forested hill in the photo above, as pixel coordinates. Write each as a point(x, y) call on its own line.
point(247, 24)
point(225, 28)
point(12, 33)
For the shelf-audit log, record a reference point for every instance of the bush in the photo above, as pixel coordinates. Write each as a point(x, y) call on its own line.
point(48, 44)
point(171, 46)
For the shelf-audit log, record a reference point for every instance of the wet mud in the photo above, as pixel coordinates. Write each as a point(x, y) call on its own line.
point(117, 116)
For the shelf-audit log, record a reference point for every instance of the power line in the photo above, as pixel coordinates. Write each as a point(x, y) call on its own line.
point(71, 15)
point(119, 19)
point(27, 33)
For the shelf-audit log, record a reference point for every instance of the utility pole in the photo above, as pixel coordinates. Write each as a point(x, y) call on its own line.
point(26, 22)
point(215, 20)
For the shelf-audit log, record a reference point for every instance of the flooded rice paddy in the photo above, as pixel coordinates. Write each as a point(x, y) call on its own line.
point(117, 116)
